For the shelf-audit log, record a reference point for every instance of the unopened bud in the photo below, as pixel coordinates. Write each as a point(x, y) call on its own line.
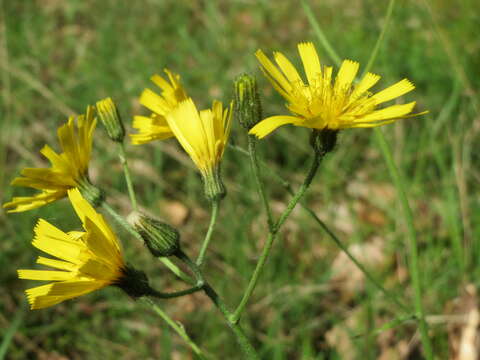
point(110, 118)
point(160, 238)
point(248, 108)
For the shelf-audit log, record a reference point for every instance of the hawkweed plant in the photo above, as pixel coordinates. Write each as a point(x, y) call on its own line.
point(323, 100)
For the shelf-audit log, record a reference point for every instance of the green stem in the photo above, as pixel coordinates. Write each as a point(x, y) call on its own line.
point(194, 267)
point(161, 295)
point(329, 232)
point(240, 336)
point(271, 238)
point(208, 236)
point(247, 348)
point(128, 178)
point(252, 141)
point(170, 265)
point(308, 180)
point(179, 329)
point(399, 183)
point(412, 239)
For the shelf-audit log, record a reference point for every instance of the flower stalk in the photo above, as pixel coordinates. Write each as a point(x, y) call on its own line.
point(318, 155)
point(128, 177)
point(208, 236)
point(177, 327)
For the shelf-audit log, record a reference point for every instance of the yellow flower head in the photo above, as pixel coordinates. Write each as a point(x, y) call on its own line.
point(202, 134)
point(155, 126)
point(68, 170)
point(87, 260)
point(321, 103)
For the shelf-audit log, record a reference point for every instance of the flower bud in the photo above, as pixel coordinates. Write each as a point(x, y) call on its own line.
point(110, 118)
point(160, 238)
point(248, 108)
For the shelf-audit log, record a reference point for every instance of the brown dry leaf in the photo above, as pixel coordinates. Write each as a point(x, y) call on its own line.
point(347, 278)
point(175, 211)
point(381, 194)
point(370, 214)
point(464, 337)
point(51, 356)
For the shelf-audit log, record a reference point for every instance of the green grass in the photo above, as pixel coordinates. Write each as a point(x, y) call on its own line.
point(56, 57)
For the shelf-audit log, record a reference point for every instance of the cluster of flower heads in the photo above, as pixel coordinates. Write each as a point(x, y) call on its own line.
point(92, 259)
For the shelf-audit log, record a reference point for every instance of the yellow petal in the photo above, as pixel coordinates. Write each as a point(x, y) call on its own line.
point(398, 89)
point(24, 203)
point(58, 163)
point(274, 74)
point(55, 242)
point(266, 126)
point(287, 68)
point(390, 112)
point(311, 62)
point(92, 220)
point(162, 83)
point(150, 128)
point(100, 270)
point(187, 126)
point(346, 75)
point(58, 264)
point(364, 85)
point(51, 294)
point(154, 102)
point(47, 275)
point(44, 179)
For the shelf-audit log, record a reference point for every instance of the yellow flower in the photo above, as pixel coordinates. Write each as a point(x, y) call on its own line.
point(69, 169)
point(155, 127)
point(321, 103)
point(203, 135)
point(87, 260)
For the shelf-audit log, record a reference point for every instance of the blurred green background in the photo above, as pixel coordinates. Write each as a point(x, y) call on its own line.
point(58, 56)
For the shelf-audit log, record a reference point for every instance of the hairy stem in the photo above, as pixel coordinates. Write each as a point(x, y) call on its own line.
point(128, 178)
point(272, 235)
point(179, 329)
point(208, 236)
point(252, 151)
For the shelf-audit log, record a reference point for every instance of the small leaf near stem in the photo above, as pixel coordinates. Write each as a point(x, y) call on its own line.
point(208, 236)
